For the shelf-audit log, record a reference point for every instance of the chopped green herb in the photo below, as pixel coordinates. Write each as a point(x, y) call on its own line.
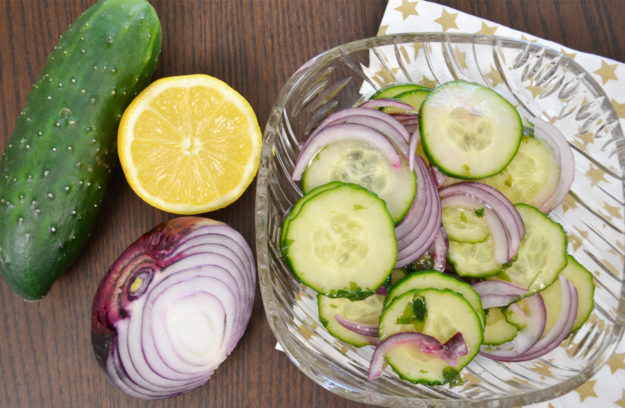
point(479, 212)
point(359, 207)
point(452, 376)
point(354, 292)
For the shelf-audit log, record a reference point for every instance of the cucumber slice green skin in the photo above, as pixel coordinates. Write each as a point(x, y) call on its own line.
point(498, 330)
point(393, 90)
point(353, 162)
point(342, 242)
point(583, 281)
point(483, 130)
point(57, 165)
point(447, 313)
point(366, 311)
point(543, 237)
point(437, 280)
point(413, 97)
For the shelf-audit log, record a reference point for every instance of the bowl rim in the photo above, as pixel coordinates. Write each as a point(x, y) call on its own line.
point(614, 337)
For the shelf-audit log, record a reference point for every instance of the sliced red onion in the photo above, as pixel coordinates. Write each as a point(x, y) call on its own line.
point(439, 250)
point(561, 328)
point(496, 201)
point(497, 229)
point(345, 114)
point(415, 139)
point(173, 306)
point(418, 230)
point(449, 352)
point(440, 178)
point(526, 337)
point(340, 132)
point(552, 135)
point(497, 293)
point(368, 330)
point(388, 103)
point(381, 125)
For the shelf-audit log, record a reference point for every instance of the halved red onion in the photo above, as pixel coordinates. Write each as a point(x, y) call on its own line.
point(526, 337)
point(492, 199)
point(340, 132)
point(495, 225)
point(497, 293)
point(368, 330)
point(561, 328)
point(448, 352)
point(552, 135)
point(388, 103)
point(173, 306)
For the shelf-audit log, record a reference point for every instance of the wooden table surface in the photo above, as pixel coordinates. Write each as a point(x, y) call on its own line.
point(46, 358)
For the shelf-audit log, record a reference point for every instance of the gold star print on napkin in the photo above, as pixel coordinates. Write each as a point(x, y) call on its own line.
point(607, 388)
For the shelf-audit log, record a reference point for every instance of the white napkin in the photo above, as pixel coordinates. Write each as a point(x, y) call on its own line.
point(607, 388)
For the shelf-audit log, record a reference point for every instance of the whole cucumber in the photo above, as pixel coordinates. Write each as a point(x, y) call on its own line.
point(56, 165)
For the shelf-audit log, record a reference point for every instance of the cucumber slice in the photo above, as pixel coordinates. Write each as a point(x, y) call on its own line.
point(393, 90)
point(498, 330)
point(298, 205)
point(414, 97)
point(464, 224)
point(474, 260)
point(341, 242)
point(437, 280)
point(583, 281)
point(542, 253)
point(468, 130)
point(447, 313)
point(366, 311)
point(354, 162)
point(532, 175)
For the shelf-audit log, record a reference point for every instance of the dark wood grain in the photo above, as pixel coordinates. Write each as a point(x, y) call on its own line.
point(45, 352)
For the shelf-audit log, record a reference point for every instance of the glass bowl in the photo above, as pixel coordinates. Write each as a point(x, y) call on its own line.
point(540, 82)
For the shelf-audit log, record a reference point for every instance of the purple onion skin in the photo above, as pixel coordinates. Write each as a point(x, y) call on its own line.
point(152, 251)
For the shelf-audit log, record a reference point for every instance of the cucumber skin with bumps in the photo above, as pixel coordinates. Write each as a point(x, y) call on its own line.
point(56, 166)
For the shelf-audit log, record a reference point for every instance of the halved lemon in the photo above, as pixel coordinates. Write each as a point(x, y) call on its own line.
point(189, 144)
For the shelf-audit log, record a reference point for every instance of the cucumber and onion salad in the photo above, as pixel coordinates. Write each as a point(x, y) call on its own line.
point(424, 229)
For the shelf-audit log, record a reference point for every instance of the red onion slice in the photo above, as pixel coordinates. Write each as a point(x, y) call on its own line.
point(341, 132)
point(449, 352)
point(498, 293)
point(552, 135)
point(367, 330)
point(526, 337)
point(562, 327)
point(415, 139)
point(439, 250)
point(388, 103)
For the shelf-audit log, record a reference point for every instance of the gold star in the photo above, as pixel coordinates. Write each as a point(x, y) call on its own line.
point(461, 57)
point(494, 76)
point(595, 174)
point(470, 378)
point(384, 77)
point(619, 108)
point(306, 331)
point(583, 139)
point(382, 30)
point(486, 30)
point(621, 402)
point(404, 53)
point(524, 38)
point(341, 347)
point(587, 390)
point(447, 20)
point(542, 368)
point(407, 9)
point(430, 83)
point(571, 55)
point(575, 241)
point(607, 72)
point(569, 203)
point(614, 211)
point(535, 90)
point(418, 46)
point(616, 362)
